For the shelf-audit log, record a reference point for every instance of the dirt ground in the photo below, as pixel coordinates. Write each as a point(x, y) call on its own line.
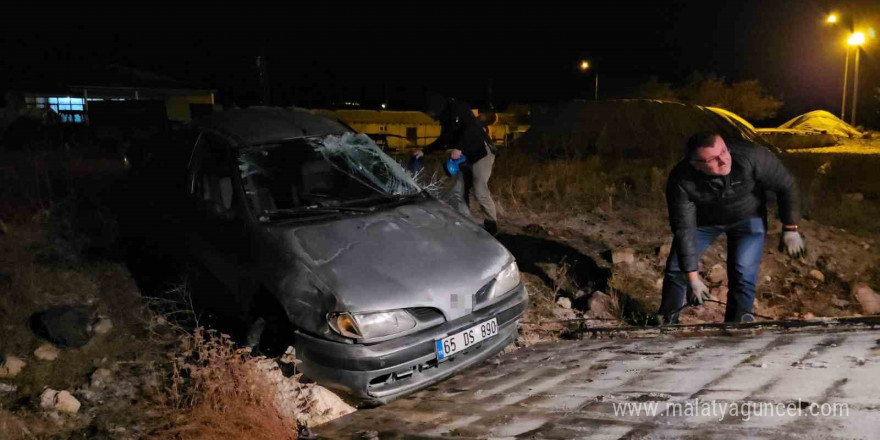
point(593, 268)
point(821, 285)
point(817, 286)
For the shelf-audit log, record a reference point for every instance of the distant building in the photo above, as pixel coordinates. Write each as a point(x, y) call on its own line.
point(114, 91)
point(413, 129)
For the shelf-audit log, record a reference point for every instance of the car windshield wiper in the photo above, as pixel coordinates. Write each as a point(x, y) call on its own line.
point(384, 199)
point(310, 211)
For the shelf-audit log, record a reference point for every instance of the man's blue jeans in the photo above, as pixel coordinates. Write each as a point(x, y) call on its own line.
point(745, 247)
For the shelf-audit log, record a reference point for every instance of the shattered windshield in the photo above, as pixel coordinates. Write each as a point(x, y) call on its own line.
point(332, 172)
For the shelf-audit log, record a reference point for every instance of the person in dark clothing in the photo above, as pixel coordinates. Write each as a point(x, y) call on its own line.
point(461, 133)
point(721, 189)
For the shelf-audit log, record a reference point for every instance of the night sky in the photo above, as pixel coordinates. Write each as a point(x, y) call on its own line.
point(373, 51)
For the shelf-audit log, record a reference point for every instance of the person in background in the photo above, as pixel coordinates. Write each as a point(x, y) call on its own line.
point(461, 133)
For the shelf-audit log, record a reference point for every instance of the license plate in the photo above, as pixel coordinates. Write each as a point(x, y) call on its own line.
point(468, 338)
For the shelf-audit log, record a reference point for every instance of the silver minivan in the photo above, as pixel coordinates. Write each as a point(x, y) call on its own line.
point(319, 238)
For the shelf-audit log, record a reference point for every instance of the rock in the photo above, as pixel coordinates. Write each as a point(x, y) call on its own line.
point(365, 435)
point(768, 278)
point(11, 367)
point(717, 274)
point(623, 256)
point(66, 403)
point(868, 299)
point(65, 325)
point(809, 316)
point(854, 197)
point(535, 229)
point(719, 293)
point(817, 275)
point(663, 253)
point(47, 399)
point(102, 326)
point(101, 377)
point(61, 401)
point(658, 284)
point(528, 339)
point(601, 306)
point(47, 352)
point(7, 388)
point(841, 303)
point(562, 314)
point(579, 294)
point(563, 302)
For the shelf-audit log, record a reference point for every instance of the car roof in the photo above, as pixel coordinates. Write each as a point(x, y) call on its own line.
point(260, 125)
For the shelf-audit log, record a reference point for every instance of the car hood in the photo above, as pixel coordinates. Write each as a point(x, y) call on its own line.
point(416, 255)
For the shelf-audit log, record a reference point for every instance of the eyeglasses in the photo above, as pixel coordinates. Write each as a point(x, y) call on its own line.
point(716, 159)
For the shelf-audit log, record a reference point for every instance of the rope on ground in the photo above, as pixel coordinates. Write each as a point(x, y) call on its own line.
point(565, 321)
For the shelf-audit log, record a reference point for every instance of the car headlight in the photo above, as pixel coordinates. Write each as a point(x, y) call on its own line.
point(371, 325)
point(506, 280)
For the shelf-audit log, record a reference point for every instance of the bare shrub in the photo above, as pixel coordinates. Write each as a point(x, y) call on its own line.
point(217, 392)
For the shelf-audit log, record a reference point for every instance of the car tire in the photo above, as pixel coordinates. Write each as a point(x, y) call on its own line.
point(269, 332)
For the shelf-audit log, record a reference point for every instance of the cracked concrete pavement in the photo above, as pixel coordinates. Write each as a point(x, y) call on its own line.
point(570, 389)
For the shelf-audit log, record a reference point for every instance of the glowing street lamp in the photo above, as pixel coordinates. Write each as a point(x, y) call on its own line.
point(832, 18)
point(857, 39)
point(584, 66)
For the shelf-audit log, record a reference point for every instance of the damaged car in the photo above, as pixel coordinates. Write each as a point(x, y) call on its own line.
point(317, 238)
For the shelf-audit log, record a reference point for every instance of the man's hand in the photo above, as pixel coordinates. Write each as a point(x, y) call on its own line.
point(418, 154)
point(455, 154)
point(697, 292)
point(793, 244)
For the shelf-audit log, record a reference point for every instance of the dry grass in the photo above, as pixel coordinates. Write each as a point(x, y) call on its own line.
point(572, 186)
point(217, 392)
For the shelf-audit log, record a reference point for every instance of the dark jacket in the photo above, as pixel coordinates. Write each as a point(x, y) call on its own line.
point(696, 199)
point(460, 129)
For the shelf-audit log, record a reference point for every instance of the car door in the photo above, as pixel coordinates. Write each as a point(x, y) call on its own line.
point(215, 229)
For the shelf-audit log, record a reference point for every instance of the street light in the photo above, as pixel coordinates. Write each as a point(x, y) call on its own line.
point(857, 39)
point(832, 18)
point(584, 66)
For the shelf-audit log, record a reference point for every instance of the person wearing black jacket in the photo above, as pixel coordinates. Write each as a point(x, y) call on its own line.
point(461, 133)
point(719, 189)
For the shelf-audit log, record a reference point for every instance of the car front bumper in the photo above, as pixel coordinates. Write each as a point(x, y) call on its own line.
point(378, 373)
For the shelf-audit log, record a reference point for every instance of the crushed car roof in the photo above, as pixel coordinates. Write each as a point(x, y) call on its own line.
point(259, 125)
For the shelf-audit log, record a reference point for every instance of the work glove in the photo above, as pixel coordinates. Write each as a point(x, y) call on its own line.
point(793, 244)
point(697, 292)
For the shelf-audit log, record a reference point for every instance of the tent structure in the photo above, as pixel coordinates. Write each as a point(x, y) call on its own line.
point(822, 121)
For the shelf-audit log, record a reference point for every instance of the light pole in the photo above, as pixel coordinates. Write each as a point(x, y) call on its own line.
point(845, 75)
point(857, 39)
point(584, 66)
point(833, 19)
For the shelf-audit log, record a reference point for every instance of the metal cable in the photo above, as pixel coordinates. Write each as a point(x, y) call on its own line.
point(564, 321)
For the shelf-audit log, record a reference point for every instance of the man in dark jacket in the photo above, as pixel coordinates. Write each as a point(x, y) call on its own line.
point(718, 189)
point(461, 133)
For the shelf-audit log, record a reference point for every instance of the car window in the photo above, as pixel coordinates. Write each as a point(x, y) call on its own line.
point(328, 171)
point(211, 175)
